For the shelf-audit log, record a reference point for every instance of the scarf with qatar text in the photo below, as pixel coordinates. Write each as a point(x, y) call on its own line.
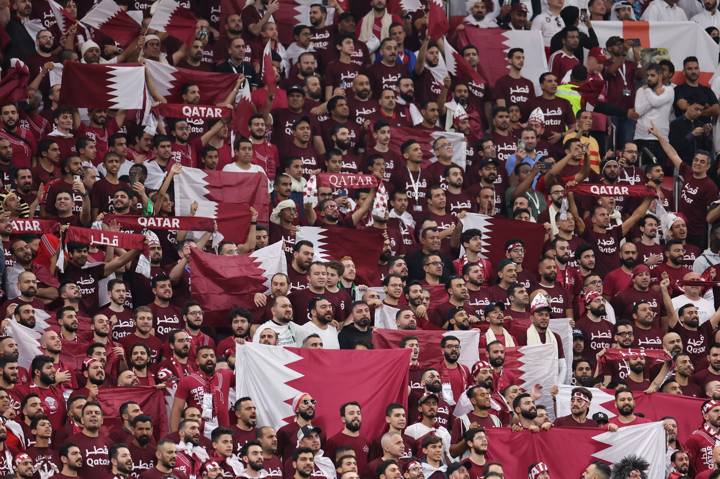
point(89, 236)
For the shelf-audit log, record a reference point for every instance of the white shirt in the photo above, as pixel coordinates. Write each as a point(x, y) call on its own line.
point(286, 332)
point(706, 308)
point(661, 11)
point(702, 262)
point(706, 19)
point(691, 7)
point(236, 169)
point(653, 108)
point(549, 24)
point(329, 335)
point(418, 430)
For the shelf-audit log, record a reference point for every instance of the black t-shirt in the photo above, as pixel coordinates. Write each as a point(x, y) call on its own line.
point(699, 93)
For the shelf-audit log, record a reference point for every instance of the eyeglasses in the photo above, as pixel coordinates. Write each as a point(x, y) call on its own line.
point(626, 333)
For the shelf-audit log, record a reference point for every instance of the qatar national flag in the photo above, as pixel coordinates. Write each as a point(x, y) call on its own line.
point(224, 196)
point(168, 80)
point(111, 20)
point(297, 12)
point(176, 20)
point(274, 375)
point(431, 355)
point(14, 81)
point(223, 282)
point(150, 399)
point(679, 40)
point(120, 87)
point(458, 67)
point(518, 450)
point(437, 19)
point(495, 44)
point(334, 242)
point(268, 72)
point(497, 231)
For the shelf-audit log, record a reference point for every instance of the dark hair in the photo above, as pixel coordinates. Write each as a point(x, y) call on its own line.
point(218, 432)
point(344, 406)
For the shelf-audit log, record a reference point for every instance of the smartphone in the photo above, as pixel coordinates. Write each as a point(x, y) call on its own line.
point(76, 178)
point(341, 192)
point(520, 145)
point(133, 176)
point(583, 15)
point(633, 42)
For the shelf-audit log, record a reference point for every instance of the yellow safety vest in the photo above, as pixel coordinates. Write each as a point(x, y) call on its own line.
point(568, 92)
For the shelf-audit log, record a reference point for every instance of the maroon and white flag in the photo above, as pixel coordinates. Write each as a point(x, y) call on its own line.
point(150, 399)
point(183, 110)
point(14, 82)
point(274, 376)
point(176, 20)
point(656, 406)
point(120, 87)
point(111, 20)
point(220, 283)
point(438, 24)
point(90, 236)
point(497, 231)
point(518, 450)
point(628, 191)
point(268, 71)
point(459, 68)
point(168, 80)
point(431, 355)
point(224, 196)
point(162, 223)
point(495, 45)
point(23, 226)
point(350, 181)
point(335, 242)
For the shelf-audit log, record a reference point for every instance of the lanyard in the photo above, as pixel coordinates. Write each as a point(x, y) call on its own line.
point(415, 184)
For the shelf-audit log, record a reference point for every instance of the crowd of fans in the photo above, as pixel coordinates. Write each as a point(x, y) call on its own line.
point(630, 271)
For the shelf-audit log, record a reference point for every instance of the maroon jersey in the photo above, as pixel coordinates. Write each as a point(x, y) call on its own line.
point(560, 300)
point(415, 184)
point(383, 76)
point(598, 336)
point(514, 91)
point(94, 453)
point(198, 389)
point(696, 342)
point(152, 342)
point(240, 437)
point(23, 146)
point(124, 324)
point(362, 110)
point(646, 251)
point(311, 160)
point(46, 460)
point(624, 301)
point(102, 194)
point(605, 245)
point(166, 319)
point(648, 338)
point(326, 127)
point(694, 198)
point(699, 447)
point(569, 421)
point(341, 75)
point(504, 144)
point(557, 112)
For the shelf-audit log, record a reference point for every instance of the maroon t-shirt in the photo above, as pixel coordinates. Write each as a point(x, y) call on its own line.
point(240, 437)
point(143, 458)
point(598, 335)
point(87, 280)
point(61, 186)
point(560, 300)
point(558, 113)
point(645, 251)
point(297, 280)
point(569, 421)
point(359, 444)
point(694, 198)
point(341, 75)
point(152, 342)
point(326, 127)
point(648, 338)
point(155, 474)
point(94, 453)
point(478, 300)
point(704, 376)
point(415, 184)
point(125, 324)
point(696, 342)
point(102, 194)
point(504, 144)
point(44, 459)
point(605, 245)
point(361, 110)
point(166, 320)
point(624, 301)
point(282, 132)
point(383, 76)
point(311, 160)
point(514, 91)
point(458, 203)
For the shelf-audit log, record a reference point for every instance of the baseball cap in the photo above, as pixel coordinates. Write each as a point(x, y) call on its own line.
point(428, 396)
point(295, 89)
point(539, 303)
point(614, 40)
point(578, 334)
point(488, 161)
point(305, 431)
point(599, 54)
point(492, 305)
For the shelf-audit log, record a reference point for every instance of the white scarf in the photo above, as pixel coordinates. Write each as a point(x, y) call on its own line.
point(490, 337)
point(366, 27)
point(190, 450)
point(533, 337)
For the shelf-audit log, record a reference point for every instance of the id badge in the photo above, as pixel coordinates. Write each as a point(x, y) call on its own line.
point(626, 92)
point(417, 208)
point(207, 406)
